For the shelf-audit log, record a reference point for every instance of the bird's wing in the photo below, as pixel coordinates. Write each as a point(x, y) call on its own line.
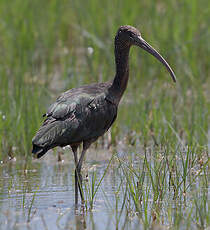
point(66, 117)
point(61, 115)
point(67, 102)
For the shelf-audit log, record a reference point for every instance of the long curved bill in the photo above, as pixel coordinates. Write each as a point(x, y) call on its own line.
point(144, 45)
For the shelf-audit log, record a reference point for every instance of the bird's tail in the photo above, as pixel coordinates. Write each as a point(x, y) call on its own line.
point(38, 151)
point(49, 135)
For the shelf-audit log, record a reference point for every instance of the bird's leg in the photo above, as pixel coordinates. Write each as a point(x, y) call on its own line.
point(86, 145)
point(74, 149)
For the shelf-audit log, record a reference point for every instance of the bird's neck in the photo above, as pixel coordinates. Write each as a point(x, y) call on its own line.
point(122, 71)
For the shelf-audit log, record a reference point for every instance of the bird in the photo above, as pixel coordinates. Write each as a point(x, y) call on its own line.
point(81, 115)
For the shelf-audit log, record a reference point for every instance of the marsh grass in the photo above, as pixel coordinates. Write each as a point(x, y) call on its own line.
point(30, 207)
point(166, 188)
point(92, 186)
point(46, 43)
point(161, 186)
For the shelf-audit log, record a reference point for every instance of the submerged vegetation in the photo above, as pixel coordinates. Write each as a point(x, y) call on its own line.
point(48, 47)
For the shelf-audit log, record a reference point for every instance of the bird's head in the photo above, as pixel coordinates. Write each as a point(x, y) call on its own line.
point(128, 35)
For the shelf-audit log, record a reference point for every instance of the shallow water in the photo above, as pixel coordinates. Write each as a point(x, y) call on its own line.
point(40, 194)
point(42, 197)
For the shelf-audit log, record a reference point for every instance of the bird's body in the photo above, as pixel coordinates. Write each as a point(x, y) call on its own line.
point(83, 114)
point(77, 115)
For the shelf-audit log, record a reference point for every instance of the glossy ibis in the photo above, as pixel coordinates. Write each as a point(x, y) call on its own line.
point(83, 114)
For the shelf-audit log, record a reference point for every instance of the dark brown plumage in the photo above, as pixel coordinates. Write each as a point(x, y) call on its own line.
point(83, 114)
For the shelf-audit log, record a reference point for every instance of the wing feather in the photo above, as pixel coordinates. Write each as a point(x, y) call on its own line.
point(68, 119)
